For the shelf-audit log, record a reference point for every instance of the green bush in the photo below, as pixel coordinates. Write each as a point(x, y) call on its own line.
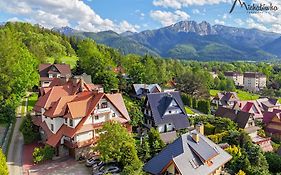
point(27, 129)
point(209, 129)
point(41, 154)
point(3, 165)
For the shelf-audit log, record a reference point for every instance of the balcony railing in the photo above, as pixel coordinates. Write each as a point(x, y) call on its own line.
point(103, 110)
point(71, 144)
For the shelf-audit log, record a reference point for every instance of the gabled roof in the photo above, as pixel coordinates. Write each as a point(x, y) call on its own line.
point(118, 102)
point(268, 116)
point(240, 117)
point(63, 69)
point(224, 97)
point(52, 95)
point(187, 155)
point(251, 106)
point(58, 108)
point(152, 88)
point(159, 104)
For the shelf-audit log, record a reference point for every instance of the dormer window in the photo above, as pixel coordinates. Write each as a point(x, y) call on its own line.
point(104, 105)
point(65, 120)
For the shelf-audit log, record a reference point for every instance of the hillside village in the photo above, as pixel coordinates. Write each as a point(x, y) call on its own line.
point(71, 111)
point(85, 108)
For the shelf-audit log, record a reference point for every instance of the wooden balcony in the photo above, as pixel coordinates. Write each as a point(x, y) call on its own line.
point(80, 144)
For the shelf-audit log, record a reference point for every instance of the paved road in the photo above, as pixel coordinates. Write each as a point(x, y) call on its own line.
point(14, 159)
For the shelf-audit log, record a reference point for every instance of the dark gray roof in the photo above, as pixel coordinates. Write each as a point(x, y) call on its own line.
point(202, 148)
point(159, 104)
point(184, 153)
point(239, 117)
point(150, 87)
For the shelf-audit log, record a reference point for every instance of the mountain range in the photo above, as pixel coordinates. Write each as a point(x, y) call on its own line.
point(191, 40)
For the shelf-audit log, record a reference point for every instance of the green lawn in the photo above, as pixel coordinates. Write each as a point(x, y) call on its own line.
point(214, 92)
point(242, 95)
point(188, 110)
point(70, 60)
point(31, 101)
point(67, 60)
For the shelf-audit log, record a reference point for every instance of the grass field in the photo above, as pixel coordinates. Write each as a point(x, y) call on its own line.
point(242, 95)
point(67, 60)
point(31, 101)
point(188, 110)
point(70, 60)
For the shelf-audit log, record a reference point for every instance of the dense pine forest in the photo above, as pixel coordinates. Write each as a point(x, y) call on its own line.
point(24, 46)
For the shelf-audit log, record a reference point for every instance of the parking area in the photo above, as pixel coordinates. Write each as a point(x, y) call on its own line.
point(61, 167)
point(66, 165)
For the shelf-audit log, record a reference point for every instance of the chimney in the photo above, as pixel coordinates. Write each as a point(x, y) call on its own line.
point(200, 128)
point(195, 137)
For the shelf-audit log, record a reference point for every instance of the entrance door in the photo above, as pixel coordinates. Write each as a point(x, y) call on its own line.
point(72, 152)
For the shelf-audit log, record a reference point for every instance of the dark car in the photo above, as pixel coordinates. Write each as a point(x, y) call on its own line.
point(97, 165)
point(112, 169)
point(91, 161)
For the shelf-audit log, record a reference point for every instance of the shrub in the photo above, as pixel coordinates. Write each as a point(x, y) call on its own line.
point(3, 165)
point(209, 129)
point(28, 131)
point(41, 154)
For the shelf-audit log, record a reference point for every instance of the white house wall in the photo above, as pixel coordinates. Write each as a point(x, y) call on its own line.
point(84, 136)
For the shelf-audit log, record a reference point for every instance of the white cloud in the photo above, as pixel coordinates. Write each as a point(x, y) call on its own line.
point(178, 4)
point(217, 21)
point(58, 13)
point(195, 11)
point(13, 19)
point(167, 18)
point(168, 3)
point(271, 19)
point(125, 26)
point(253, 24)
point(225, 16)
point(239, 22)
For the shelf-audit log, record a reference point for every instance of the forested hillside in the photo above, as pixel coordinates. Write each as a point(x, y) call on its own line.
point(22, 48)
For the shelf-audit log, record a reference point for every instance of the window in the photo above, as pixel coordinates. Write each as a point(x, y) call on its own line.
point(71, 122)
point(65, 120)
point(113, 114)
point(52, 127)
point(104, 105)
point(96, 117)
point(170, 112)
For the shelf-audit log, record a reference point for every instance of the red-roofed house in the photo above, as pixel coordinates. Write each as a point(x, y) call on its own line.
point(251, 107)
point(48, 72)
point(69, 117)
point(272, 121)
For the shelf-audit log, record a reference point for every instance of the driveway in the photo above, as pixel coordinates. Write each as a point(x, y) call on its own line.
point(62, 166)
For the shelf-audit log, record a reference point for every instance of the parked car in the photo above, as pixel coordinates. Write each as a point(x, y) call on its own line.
point(96, 166)
point(112, 169)
point(91, 161)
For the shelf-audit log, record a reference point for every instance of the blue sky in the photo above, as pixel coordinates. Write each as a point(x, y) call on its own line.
point(136, 15)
